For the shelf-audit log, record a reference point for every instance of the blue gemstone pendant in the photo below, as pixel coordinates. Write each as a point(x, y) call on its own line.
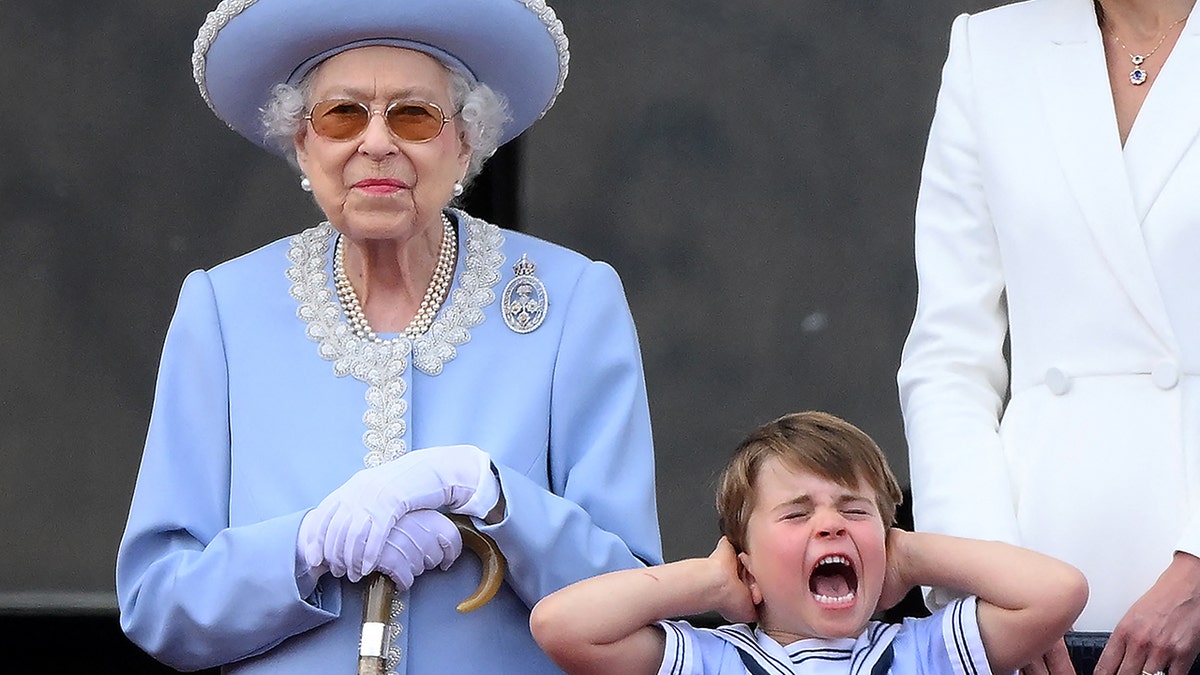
point(1137, 75)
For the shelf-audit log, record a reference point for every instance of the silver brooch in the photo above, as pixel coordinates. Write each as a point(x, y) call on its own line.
point(524, 301)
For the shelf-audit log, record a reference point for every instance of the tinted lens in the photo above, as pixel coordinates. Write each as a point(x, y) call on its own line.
point(414, 120)
point(338, 119)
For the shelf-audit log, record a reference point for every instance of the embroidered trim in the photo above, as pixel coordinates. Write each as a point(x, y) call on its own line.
point(227, 9)
point(213, 23)
point(381, 366)
point(555, 26)
point(394, 627)
point(434, 348)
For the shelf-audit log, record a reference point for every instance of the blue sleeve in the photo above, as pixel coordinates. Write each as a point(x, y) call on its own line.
point(600, 514)
point(193, 591)
point(688, 650)
point(947, 642)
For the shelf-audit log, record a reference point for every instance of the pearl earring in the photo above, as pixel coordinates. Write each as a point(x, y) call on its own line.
point(305, 184)
point(458, 189)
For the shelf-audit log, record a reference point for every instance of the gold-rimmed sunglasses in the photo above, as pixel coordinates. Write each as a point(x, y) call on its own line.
point(342, 119)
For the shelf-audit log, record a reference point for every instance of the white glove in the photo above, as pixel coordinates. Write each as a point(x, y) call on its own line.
point(420, 541)
point(354, 521)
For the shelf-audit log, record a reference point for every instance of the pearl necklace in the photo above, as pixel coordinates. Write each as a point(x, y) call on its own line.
point(435, 294)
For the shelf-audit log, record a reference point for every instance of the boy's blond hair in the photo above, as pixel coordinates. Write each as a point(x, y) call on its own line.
point(817, 442)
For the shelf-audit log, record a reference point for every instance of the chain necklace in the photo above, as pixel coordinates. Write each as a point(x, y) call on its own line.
point(435, 294)
point(1138, 75)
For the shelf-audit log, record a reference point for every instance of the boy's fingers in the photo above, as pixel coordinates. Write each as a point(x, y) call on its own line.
point(1058, 660)
point(1036, 668)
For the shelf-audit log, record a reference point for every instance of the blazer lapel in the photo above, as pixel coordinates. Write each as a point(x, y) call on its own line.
point(1079, 110)
point(1169, 121)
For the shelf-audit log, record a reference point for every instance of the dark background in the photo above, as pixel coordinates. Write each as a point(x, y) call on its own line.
point(750, 168)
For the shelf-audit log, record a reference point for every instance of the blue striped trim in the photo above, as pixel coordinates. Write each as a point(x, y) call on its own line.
point(820, 655)
point(677, 660)
point(959, 632)
point(877, 634)
point(884, 664)
point(747, 644)
point(753, 667)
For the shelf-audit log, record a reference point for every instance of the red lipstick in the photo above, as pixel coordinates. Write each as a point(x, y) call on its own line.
point(380, 186)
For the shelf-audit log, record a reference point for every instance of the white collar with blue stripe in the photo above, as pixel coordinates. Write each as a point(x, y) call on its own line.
point(868, 654)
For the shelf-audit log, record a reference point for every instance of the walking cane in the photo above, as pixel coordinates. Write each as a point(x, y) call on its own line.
point(381, 590)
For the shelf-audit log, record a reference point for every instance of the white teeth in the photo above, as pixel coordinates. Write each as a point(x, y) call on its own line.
point(831, 559)
point(829, 600)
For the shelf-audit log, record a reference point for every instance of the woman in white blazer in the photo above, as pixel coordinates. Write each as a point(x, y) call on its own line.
point(1059, 211)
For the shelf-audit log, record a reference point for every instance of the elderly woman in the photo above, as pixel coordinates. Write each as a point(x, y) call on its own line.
point(322, 402)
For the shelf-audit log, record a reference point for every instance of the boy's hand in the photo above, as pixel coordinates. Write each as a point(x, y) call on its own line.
point(734, 601)
point(1057, 661)
point(895, 585)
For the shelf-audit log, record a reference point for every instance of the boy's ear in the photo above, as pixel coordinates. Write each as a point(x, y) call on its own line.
point(747, 576)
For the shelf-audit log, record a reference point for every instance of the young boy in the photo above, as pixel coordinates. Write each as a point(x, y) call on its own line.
point(808, 556)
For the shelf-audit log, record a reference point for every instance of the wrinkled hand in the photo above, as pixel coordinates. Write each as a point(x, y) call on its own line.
point(1056, 661)
point(735, 603)
point(348, 529)
point(1162, 629)
point(420, 541)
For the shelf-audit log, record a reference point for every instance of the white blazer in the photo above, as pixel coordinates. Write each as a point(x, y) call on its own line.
point(1033, 223)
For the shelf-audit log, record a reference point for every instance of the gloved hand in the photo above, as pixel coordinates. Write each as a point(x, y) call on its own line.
point(420, 541)
point(354, 521)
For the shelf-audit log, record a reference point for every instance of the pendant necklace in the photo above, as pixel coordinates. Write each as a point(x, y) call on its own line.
point(1138, 75)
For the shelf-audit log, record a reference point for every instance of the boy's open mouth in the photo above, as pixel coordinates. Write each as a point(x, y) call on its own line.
point(833, 580)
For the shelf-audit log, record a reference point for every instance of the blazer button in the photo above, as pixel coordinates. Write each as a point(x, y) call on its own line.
point(1057, 381)
point(1165, 375)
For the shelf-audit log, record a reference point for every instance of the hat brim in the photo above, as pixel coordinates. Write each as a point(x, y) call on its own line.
point(516, 47)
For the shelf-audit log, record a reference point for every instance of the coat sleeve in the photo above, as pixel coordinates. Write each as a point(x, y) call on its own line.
point(953, 376)
point(193, 591)
point(600, 513)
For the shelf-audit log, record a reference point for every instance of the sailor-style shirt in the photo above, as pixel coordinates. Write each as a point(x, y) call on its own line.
point(947, 642)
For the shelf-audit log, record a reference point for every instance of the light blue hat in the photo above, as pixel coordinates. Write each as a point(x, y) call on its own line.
point(245, 47)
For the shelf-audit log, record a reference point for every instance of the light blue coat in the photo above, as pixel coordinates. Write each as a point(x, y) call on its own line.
point(251, 428)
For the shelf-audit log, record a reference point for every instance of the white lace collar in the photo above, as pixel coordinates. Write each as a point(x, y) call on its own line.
point(382, 365)
point(479, 272)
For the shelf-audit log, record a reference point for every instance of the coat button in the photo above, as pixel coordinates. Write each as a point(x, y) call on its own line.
point(1057, 381)
point(1165, 375)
